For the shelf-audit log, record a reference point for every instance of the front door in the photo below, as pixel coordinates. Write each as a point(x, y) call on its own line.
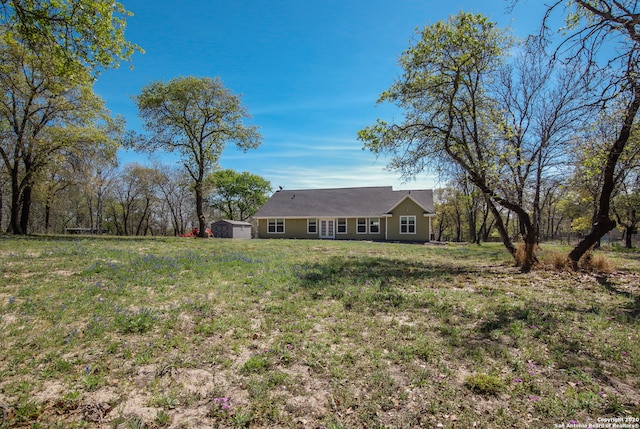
point(327, 228)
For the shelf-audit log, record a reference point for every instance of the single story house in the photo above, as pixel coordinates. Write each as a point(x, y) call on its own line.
point(225, 228)
point(369, 213)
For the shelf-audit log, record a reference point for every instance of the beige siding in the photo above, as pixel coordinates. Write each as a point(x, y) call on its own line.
point(408, 208)
point(293, 228)
point(297, 228)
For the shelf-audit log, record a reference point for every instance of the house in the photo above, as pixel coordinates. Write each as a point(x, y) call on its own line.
point(371, 213)
point(231, 229)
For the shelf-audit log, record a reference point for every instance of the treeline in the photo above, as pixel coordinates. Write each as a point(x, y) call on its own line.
point(566, 215)
point(59, 143)
point(133, 200)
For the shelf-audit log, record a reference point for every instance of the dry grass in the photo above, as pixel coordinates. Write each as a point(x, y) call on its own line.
point(168, 333)
point(596, 263)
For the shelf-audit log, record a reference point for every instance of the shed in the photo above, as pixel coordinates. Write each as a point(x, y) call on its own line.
point(226, 228)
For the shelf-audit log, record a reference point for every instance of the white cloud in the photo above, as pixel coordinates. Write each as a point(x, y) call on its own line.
point(320, 177)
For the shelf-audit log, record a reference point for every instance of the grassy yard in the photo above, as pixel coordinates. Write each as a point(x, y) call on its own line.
point(184, 333)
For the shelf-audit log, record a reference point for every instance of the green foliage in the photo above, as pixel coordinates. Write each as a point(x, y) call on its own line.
point(238, 195)
point(581, 224)
point(87, 32)
point(52, 115)
point(256, 363)
point(484, 384)
point(195, 117)
point(135, 322)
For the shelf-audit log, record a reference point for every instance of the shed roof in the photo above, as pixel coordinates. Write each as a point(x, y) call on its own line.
point(233, 222)
point(342, 202)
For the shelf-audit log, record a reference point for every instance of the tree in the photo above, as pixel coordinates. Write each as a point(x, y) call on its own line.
point(49, 111)
point(238, 195)
point(174, 187)
point(195, 117)
point(626, 207)
point(603, 37)
point(451, 116)
point(502, 123)
point(85, 32)
point(134, 200)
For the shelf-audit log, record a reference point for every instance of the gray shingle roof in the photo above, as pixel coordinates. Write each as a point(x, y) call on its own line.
point(341, 202)
point(234, 222)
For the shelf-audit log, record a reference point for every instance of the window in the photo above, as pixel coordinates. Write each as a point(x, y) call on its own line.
point(342, 226)
point(361, 225)
point(275, 226)
point(374, 225)
point(407, 224)
point(312, 226)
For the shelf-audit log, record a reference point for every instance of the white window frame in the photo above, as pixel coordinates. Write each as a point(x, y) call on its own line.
point(276, 223)
point(358, 225)
point(374, 223)
point(312, 222)
point(338, 221)
point(408, 222)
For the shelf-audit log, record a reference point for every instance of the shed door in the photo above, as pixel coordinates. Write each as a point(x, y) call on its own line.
point(327, 228)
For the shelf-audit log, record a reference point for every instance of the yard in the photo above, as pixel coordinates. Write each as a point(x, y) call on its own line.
point(184, 333)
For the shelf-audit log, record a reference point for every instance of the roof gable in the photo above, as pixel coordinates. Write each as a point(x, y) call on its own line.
point(341, 202)
point(422, 198)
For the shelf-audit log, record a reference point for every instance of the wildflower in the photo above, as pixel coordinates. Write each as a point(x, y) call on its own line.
point(87, 369)
point(12, 300)
point(289, 347)
point(223, 402)
point(534, 398)
point(517, 380)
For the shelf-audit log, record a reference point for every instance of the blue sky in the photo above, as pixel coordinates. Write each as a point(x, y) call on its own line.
point(308, 71)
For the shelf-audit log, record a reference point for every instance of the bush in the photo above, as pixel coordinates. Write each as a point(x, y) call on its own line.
point(484, 384)
point(598, 263)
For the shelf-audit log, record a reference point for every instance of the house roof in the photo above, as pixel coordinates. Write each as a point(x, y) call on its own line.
point(341, 202)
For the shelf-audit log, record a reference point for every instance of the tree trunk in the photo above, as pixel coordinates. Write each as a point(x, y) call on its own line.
point(530, 239)
point(26, 209)
point(500, 227)
point(14, 209)
point(1, 203)
point(628, 237)
point(200, 209)
point(47, 215)
point(603, 222)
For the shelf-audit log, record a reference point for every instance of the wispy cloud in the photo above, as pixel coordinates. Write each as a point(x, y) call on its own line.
point(323, 176)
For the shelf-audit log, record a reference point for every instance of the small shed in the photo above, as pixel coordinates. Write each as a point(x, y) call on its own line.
point(225, 228)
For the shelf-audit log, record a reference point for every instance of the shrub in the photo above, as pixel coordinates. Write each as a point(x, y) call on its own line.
point(599, 263)
point(559, 260)
point(484, 384)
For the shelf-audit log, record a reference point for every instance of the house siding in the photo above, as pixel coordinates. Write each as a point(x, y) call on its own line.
point(408, 208)
point(297, 228)
point(293, 209)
